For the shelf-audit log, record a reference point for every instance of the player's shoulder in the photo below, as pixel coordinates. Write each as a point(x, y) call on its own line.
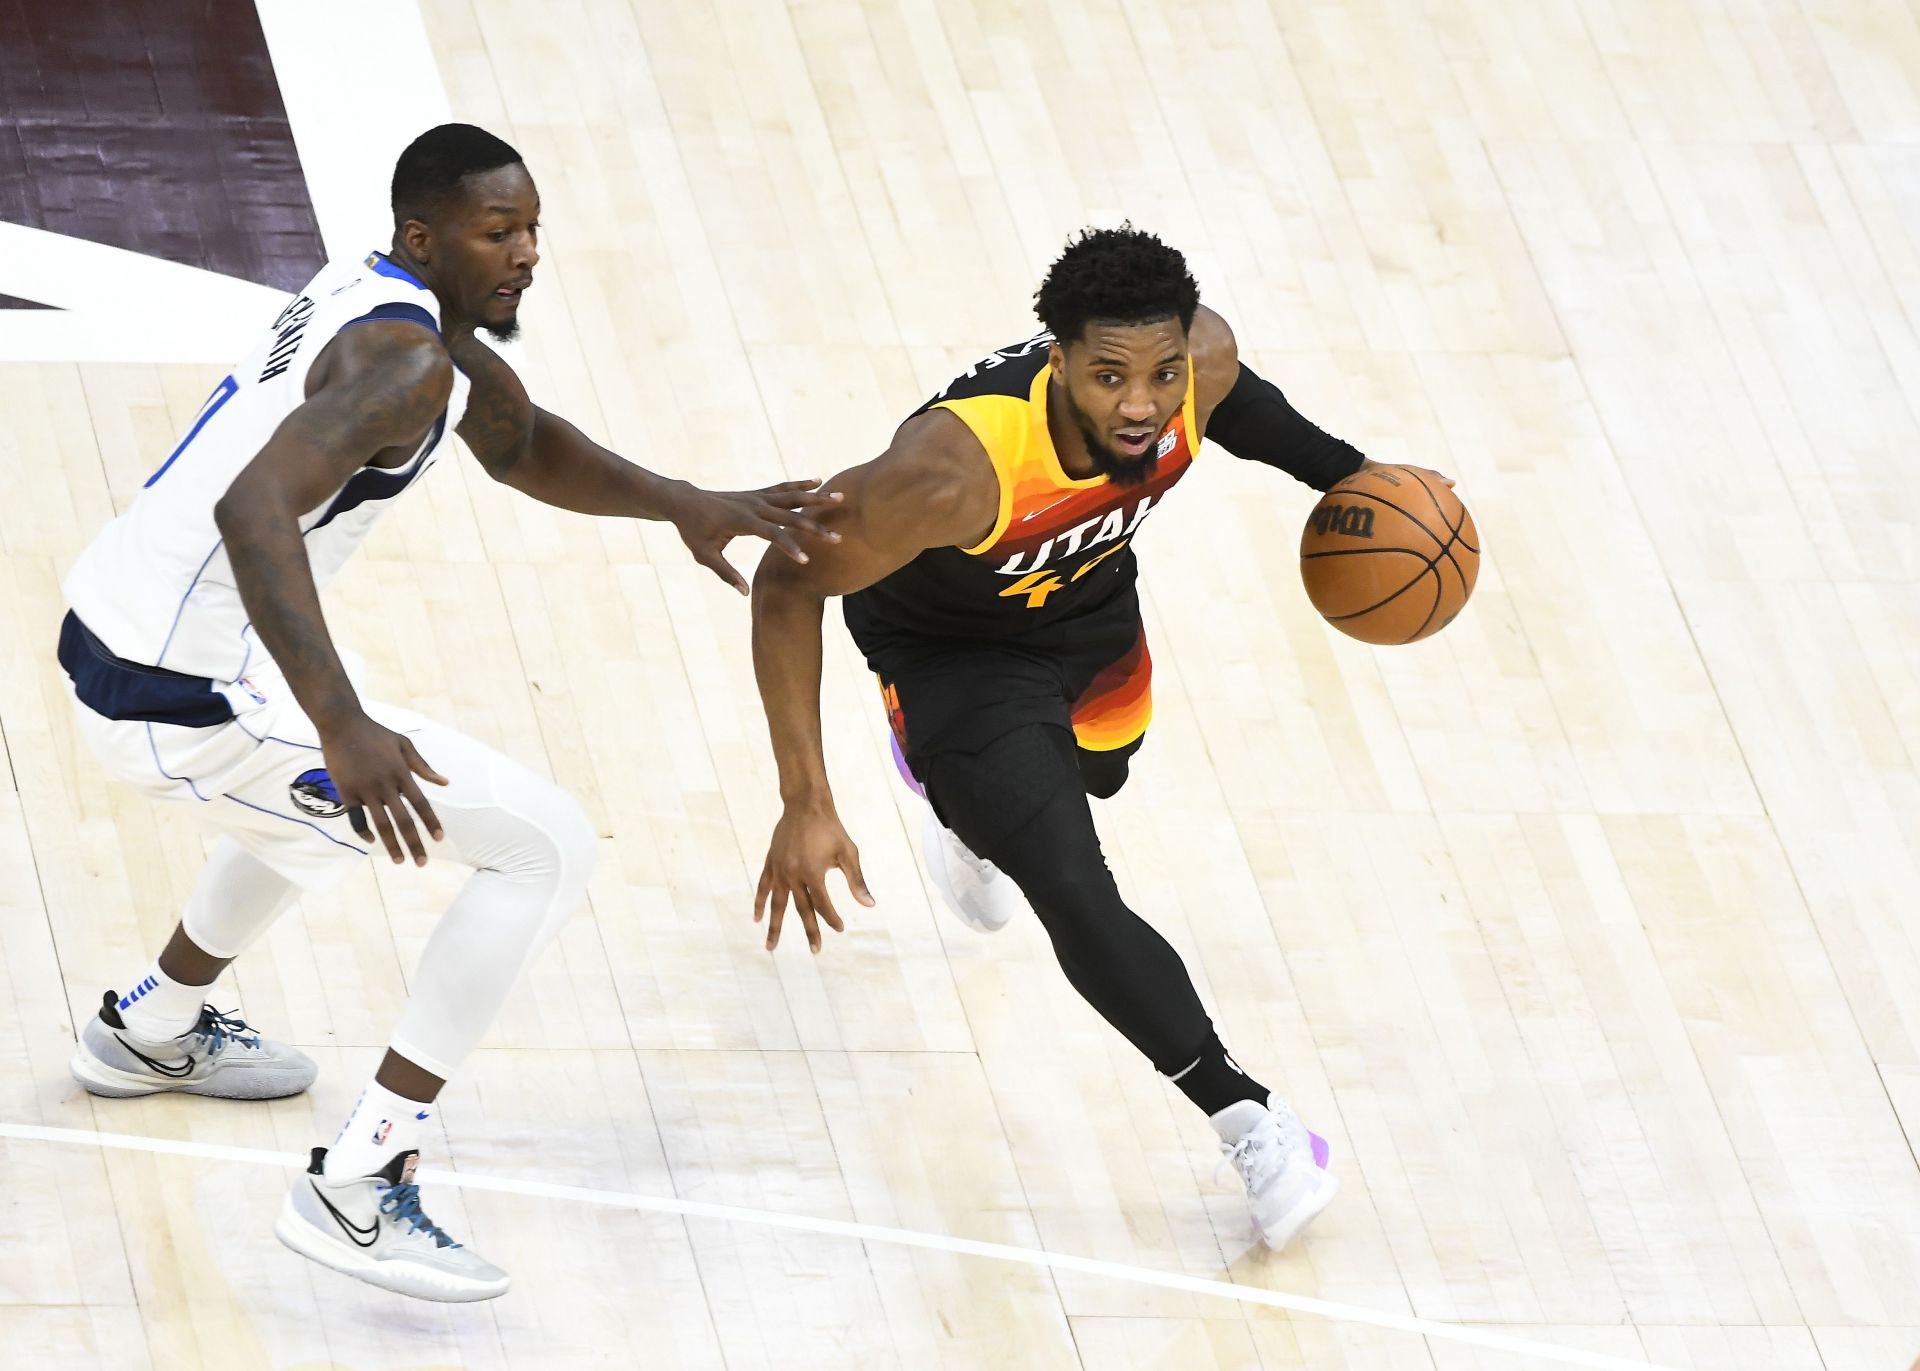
point(1007, 372)
point(934, 470)
point(395, 354)
point(1215, 355)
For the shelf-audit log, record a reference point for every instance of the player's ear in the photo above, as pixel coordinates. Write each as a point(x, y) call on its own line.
point(1057, 360)
point(418, 239)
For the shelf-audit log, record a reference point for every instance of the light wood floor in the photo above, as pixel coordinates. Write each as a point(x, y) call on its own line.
point(1586, 931)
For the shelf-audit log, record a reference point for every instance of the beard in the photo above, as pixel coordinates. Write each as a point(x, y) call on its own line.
point(503, 333)
point(1106, 461)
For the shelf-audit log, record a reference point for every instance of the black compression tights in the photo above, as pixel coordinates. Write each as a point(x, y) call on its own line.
point(1021, 802)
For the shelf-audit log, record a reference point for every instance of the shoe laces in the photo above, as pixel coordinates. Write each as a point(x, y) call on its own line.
point(220, 1029)
point(1261, 1154)
point(403, 1202)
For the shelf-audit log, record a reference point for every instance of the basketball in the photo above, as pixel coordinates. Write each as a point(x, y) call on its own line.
point(1389, 555)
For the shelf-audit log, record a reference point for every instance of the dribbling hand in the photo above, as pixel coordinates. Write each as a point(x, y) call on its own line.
point(372, 769)
point(806, 842)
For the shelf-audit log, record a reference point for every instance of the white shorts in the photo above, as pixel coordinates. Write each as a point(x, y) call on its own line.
point(259, 778)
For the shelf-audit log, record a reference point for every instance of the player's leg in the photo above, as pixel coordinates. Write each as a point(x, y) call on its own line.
point(163, 1034)
point(1103, 772)
point(1111, 712)
point(531, 849)
point(1019, 802)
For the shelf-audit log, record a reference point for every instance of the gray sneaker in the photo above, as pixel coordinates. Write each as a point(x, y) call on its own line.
point(220, 1055)
point(371, 1228)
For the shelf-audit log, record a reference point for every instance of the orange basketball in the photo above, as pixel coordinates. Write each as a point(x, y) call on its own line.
point(1389, 555)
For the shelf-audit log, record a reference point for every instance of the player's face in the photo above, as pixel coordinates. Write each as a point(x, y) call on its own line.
point(1124, 383)
point(486, 247)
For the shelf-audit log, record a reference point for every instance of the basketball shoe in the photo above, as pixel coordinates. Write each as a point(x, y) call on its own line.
point(220, 1055)
point(1281, 1163)
point(372, 1228)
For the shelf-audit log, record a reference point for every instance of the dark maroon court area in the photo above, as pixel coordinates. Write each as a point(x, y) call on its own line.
point(156, 126)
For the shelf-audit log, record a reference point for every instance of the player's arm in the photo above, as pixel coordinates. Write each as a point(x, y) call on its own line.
point(377, 386)
point(1249, 417)
point(540, 454)
point(933, 487)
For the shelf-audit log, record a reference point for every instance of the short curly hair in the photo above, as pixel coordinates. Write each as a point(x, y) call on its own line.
point(1122, 275)
point(430, 170)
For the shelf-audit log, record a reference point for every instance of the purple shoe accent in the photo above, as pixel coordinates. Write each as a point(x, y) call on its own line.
point(1320, 1149)
point(900, 761)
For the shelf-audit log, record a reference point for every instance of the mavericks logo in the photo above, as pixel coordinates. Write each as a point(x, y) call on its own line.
point(312, 793)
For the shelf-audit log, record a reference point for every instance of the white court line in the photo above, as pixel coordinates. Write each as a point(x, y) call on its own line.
point(866, 1232)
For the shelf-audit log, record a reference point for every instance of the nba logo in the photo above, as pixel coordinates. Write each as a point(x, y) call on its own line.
point(380, 1133)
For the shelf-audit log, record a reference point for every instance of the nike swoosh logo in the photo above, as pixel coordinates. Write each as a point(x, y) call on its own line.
point(354, 1230)
point(179, 1071)
point(1044, 508)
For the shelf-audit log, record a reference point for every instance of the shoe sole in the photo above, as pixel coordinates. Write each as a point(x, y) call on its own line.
point(1304, 1211)
point(402, 1279)
point(97, 1078)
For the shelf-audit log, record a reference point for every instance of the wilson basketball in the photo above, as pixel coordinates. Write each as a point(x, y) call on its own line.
point(1389, 555)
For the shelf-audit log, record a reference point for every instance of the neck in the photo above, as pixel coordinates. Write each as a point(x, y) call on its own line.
point(452, 325)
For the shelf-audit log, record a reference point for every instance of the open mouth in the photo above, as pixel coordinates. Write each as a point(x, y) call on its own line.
point(1133, 442)
point(511, 292)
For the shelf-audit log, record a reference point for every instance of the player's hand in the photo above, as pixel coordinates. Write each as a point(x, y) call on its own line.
point(710, 519)
point(807, 840)
point(1446, 481)
point(372, 769)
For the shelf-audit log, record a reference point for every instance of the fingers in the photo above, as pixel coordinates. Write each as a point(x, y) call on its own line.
point(807, 524)
point(760, 895)
point(409, 834)
point(776, 917)
point(856, 880)
point(803, 902)
point(422, 808)
point(781, 539)
point(385, 828)
point(712, 560)
point(418, 765)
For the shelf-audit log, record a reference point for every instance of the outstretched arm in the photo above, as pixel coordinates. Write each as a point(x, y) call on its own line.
point(933, 487)
point(1249, 417)
point(540, 454)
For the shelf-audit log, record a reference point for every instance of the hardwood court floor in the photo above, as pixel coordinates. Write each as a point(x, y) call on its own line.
point(1586, 931)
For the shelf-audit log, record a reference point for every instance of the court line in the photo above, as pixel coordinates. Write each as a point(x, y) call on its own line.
point(864, 1232)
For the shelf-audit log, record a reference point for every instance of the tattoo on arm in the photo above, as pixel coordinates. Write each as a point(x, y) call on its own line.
point(498, 424)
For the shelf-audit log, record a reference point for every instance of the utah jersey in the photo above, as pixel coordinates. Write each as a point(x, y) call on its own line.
point(1061, 548)
point(155, 587)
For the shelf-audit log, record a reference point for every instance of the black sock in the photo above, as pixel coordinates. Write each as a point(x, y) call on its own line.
point(1215, 1080)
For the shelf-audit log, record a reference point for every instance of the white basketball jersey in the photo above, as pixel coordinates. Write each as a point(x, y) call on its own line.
point(155, 587)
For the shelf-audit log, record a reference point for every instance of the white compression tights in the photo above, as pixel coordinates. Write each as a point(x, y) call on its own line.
point(531, 850)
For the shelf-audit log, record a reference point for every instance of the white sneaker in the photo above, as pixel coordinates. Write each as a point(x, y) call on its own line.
point(371, 1228)
point(984, 897)
point(1282, 1164)
point(220, 1055)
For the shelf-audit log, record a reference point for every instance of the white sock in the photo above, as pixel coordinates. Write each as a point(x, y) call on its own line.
point(159, 1007)
point(382, 1125)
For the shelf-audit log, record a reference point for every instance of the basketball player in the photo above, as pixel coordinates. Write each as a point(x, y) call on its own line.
point(988, 568)
point(203, 672)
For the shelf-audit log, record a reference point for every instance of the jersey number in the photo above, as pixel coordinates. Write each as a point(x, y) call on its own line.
point(221, 394)
point(1037, 585)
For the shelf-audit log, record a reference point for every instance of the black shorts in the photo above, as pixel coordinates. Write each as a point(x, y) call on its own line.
point(962, 694)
